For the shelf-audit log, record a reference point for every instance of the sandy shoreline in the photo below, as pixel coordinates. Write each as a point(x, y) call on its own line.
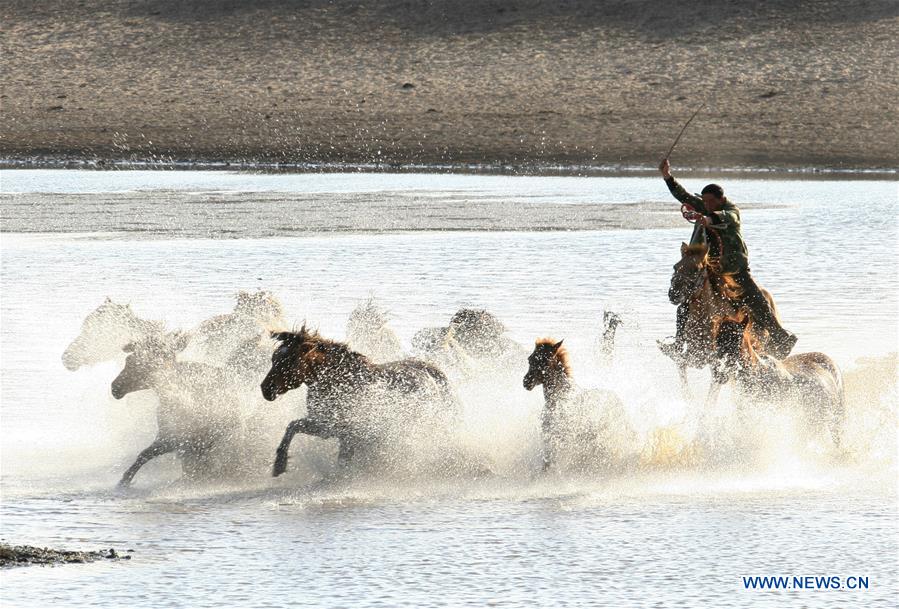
point(788, 85)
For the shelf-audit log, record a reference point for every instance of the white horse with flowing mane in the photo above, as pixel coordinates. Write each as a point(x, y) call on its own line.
point(368, 332)
point(254, 314)
point(104, 332)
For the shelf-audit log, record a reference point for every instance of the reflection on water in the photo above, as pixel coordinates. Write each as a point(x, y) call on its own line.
point(765, 504)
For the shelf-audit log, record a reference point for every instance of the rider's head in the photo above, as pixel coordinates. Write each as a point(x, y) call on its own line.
point(713, 197)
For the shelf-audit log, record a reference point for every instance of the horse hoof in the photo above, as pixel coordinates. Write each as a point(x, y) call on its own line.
point(279, 467)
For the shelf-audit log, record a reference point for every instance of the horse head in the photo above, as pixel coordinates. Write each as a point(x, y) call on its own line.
point(103, 334)
point(549, 357)
point(145, 357)
point(293, 362)
point(611, 320)
point(261, 305)
point(689, 272)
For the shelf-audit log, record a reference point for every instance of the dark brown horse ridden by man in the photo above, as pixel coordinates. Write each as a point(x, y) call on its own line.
point(341, 384)
point(718, 227)
point(701, 301)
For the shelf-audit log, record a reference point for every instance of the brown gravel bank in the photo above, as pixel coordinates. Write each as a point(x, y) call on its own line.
point(19, 556)
point(807, 83)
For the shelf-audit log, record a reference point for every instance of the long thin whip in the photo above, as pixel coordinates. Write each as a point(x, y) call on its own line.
point(684, 128)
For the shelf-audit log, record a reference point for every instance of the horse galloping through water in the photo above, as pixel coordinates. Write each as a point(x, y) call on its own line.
point(473, 343)
point(343, 386)
point(196, 409)
point(368, 333)
point(812, 380)
point(587, 427)
point(708, 296)
point(104, 332)
point(253, 313)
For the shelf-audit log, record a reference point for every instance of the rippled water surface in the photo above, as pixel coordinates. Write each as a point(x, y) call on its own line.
point(547, 256)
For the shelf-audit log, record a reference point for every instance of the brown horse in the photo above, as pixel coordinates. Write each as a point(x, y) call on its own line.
point(812, 380)
point(196, 409)
point(343, 387)
point(708, 296)
point(580, 426)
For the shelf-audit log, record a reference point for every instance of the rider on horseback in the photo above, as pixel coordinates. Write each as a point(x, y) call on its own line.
point(718, 225)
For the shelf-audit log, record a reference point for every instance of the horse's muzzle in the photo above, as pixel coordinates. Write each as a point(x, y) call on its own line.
point(71, 361)
point(529, 381)
point(268, 391)
point(118, 391)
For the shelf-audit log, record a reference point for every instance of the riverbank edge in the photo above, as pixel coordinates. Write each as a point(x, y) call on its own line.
point(535, 169)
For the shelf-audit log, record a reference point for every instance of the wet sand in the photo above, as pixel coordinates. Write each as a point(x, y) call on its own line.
point(808, 84)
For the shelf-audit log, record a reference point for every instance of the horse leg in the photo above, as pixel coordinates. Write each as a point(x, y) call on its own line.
point(346, 452)
point(305, 426)
point(684, 382)
point(837, 418)
point(158, 447)
point(712, 398)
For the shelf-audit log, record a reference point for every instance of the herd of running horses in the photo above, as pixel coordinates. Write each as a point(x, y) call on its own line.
point(353, 387)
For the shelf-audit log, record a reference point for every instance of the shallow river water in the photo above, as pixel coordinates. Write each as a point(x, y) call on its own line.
point(547, 256)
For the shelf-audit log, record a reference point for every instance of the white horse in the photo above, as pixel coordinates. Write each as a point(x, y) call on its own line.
point(104, 332)
point(368, 333)
point(197, 409)
point(254, 314)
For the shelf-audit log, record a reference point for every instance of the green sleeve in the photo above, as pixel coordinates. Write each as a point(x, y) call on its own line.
point(683, 196)
point(725, 219)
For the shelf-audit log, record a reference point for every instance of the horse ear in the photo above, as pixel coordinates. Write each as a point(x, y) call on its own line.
point(558, 344)
point(683, 248)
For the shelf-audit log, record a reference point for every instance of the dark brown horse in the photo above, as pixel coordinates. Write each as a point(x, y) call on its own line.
point(812, 380)
point(342, 384)
point(577, 424)
point(196, 409)
point(708, 296)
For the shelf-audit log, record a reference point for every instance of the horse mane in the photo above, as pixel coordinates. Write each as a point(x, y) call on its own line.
point(694, 249)
point(327, 349)
point(561, 355)
point(369, 314)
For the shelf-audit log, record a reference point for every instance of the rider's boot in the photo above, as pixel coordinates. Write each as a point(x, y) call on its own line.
point(675, 348)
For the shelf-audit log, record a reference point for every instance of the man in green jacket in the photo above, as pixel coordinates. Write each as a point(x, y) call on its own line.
point(720, 220)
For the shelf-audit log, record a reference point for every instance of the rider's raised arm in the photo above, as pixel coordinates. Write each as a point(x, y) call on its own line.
point(678, 191)
point(683, 196)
